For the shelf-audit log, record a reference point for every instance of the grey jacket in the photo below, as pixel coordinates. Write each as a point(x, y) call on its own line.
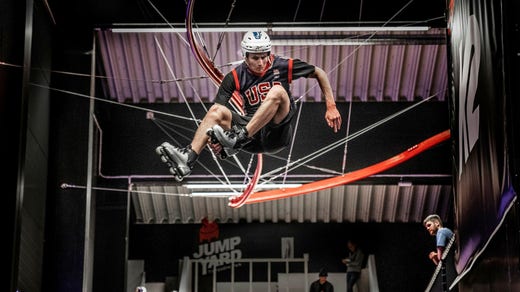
point(355, 260)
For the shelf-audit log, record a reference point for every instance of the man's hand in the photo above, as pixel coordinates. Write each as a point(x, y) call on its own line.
point(216, 148)
point(221, 151)
point(433, 257)
point(333, 118)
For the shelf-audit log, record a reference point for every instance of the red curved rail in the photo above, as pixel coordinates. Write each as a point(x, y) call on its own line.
point(269, 195)
point(238, 201)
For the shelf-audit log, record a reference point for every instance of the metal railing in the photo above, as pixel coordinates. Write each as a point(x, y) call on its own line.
point(189, 280)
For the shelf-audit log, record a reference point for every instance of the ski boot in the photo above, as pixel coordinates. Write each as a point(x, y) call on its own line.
point(180, 161)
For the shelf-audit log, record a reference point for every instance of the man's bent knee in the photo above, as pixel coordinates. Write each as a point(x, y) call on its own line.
point(218, 113)
point(278, 92)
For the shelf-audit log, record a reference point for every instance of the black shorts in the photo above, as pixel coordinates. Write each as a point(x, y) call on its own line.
point(273, 137)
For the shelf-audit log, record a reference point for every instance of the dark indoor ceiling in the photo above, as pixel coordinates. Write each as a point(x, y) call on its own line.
point(98, 13)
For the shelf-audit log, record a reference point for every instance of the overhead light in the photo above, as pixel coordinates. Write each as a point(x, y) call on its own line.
point(239, 186)
point(404, 184)
point(231, 189)
point(319, 42)
point(270, 28)
point(212, 194)
point(352, 28)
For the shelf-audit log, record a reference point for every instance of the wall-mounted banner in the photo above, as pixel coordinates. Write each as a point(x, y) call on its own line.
point(483, 189)
point(223, 251)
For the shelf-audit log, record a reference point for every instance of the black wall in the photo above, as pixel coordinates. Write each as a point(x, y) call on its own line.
point(130, 139)
point(399, 249)
point(12, 23)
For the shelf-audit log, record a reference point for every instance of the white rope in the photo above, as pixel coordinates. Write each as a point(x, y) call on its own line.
point(111, 102)
point(438, 268)
point(215, 159)
point(292, 142)
point(344, 164)
point(176, 83)
point(291, 165)
point(72, 186)
point(330, 147)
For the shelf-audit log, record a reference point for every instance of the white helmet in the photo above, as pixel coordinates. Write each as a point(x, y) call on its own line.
point(256, 42)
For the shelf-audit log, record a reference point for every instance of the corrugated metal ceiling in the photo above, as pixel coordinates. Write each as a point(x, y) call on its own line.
point(362, 66)
point(348, 203)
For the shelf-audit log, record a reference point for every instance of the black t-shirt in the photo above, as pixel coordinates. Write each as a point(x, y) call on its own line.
point(253, 88)
point(325, 287)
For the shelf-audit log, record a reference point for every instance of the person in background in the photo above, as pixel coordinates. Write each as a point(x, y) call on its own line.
point(322, 285)
point(433, 225)
point(354, 262)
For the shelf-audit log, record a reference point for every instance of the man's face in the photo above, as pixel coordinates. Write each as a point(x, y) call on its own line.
point(257, 62)
point(432, 227)
point(323, 279)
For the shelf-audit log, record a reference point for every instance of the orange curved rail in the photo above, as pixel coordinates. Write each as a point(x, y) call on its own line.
point(277, 194)
point(238, 201)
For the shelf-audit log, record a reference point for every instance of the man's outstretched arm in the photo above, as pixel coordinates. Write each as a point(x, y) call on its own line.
point(332, 115)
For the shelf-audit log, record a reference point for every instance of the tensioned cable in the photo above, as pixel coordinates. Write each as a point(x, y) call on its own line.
point(108, 101)
point(204, 46)
point(322, 9)
point(112, 102)
point(347, 130)
point(171, 129)
point(347, 57)
point(334, 145)
point(357, 48)
point(293, 139)
point(360, 10)
point(355, 135)
point(127, 105)
point(134, 107)
point(191, 112)
point(222, 34)
point(167, 114)
point(335, 68)
point(187, 104)
point(221, 38)
point(107, 77)
point(166, 21)
point(167, 128)
point(339, 142)
point(176, 83)
point(216, 76)
point(73, 186)
point(297, 9)
point(219, 45)
point(226, 22)
point(317, 153)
